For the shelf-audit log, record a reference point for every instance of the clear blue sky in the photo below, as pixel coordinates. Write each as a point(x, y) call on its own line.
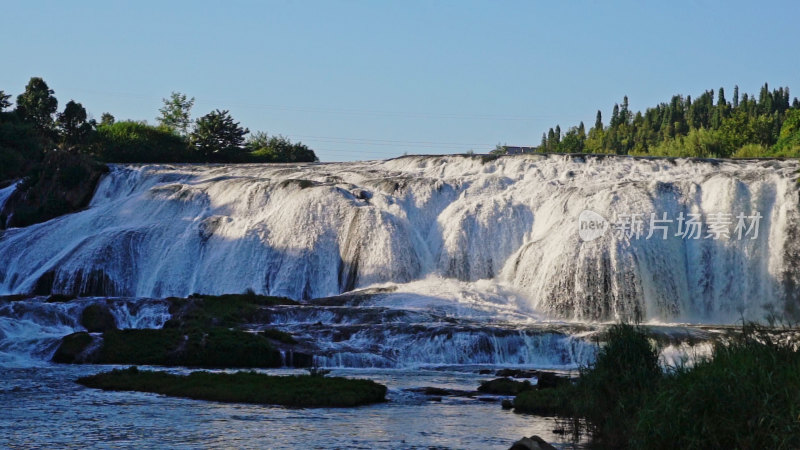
point(376, 79)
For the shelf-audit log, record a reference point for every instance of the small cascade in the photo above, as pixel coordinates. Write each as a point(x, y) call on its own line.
point(31, 329)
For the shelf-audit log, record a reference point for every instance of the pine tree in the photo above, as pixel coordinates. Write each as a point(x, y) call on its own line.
point(624, 113)
point(598, 121)
point(217, 133)
point(736, 96)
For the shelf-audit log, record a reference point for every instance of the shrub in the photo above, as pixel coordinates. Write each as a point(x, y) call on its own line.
point(134, 142)
point(611, 391)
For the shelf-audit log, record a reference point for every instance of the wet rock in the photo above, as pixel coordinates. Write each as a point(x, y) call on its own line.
point(516, 373)
point(507, 404)
point(549, 380)
point(76, 348)
point(97, 318)
point(60, 298)
point(441, 392)
point(531, 443)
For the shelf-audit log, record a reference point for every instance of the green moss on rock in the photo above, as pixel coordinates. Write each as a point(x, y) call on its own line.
point(215, 347)
point(244, 387)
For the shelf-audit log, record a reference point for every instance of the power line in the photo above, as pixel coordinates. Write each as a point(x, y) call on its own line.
point(346, 111)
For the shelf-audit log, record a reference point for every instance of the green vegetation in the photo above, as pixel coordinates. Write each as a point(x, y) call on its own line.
point(747, 395)
point(130, 142)
point(744, 127)
point(265, 148)
point(244, 387)
point(35, 136)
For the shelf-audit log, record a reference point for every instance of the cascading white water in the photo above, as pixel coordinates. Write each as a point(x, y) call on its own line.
point(31, 329)
point(314, 230)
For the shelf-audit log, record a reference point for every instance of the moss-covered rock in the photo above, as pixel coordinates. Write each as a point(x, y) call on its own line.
point(244, 387)
point(204, 331)
point(504, 386)
point(61, 183)
point(220, 310)
point(215, 347)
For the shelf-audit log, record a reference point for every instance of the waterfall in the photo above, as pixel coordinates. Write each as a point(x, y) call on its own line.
point(314, 230)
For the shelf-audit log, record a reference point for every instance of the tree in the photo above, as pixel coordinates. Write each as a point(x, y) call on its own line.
point(217, 133)
point(176, 113)
point(4, 103)
point(598, 121)
point(736, 96)
point(614, 116)
point(72, 124)
point(37, 104)
point(107, 119)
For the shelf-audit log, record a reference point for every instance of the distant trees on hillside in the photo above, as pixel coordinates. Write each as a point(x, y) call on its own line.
point(749, 126)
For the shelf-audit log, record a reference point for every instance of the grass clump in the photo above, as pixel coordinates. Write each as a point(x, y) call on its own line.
point(244, 387)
